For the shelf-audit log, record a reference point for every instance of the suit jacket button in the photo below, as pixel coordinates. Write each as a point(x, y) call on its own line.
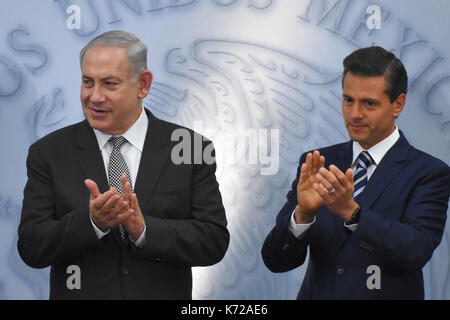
point(340, 271)
point(366, 246)
point(124, 270)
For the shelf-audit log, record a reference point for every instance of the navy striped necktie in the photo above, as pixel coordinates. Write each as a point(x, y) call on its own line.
point(364, 160)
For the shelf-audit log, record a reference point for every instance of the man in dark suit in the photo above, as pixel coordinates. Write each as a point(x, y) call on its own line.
point(371, 210)
point(106, 204)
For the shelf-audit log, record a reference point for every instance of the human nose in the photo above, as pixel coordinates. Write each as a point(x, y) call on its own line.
point(97, 95)
point(356, 111)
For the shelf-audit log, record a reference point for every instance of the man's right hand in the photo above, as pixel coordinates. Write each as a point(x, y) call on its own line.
point(106, 210)
point(309, 201)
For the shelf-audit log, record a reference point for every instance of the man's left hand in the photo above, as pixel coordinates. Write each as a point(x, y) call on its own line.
point(336, 190)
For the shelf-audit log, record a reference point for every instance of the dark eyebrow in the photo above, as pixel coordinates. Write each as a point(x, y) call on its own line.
point(111, 78)
point(108, 78)
point(369, 99)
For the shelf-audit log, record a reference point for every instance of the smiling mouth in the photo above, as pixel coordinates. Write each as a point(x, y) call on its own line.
point(99, 110)
point(98, 113)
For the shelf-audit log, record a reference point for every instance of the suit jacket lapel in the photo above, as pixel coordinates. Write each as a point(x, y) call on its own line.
point(389, 167)
point(155, 153)
point(90, 157)
point(91, 161)
point(344, 156)
point(343, 162)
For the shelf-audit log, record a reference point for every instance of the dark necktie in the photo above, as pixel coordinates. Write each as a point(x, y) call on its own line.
point(117, 166)
point(364, 160)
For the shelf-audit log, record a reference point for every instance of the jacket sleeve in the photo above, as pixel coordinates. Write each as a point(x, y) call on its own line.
point(44, 236)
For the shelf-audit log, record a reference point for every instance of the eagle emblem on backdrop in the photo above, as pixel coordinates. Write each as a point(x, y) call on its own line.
point(230, 86)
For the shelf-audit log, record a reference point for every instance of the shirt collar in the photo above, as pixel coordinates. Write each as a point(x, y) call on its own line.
point(377, 151)
point(134, 135)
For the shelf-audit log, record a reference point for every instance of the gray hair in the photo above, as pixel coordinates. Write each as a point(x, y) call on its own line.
point(137, 51)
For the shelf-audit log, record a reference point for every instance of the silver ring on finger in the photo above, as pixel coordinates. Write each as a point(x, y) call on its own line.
point(331, 191)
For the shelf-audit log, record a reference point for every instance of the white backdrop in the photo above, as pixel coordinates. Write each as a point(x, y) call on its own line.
point(262, 65)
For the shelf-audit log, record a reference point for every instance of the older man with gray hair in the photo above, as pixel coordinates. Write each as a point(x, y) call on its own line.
point(104, 205)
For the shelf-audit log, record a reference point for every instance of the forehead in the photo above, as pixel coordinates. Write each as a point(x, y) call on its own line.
point(101, 59)
point(355, 85)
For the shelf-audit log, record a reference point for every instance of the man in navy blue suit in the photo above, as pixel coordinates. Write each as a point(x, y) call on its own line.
point(371, 210)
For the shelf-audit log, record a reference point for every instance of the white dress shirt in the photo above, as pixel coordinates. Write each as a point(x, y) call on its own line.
point(377, 152)
point(131, 151)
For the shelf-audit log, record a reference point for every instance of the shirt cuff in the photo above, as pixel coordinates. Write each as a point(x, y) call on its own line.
point(351, 227)
point(100, 234)
point(139, 243)
point(299, 229)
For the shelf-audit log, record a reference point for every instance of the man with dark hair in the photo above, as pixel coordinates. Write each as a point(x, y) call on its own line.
point(105, 205)
point(371, 210)
point(375, 61)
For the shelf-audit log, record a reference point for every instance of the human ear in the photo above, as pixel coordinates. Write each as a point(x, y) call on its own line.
point(144, 82)
point(399, 104)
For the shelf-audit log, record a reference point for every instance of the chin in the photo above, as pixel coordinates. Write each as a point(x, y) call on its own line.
point(358, 138)
point(363, 143)
point(99, 125)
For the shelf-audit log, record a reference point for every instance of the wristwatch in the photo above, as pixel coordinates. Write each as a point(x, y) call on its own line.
point(355, 217)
